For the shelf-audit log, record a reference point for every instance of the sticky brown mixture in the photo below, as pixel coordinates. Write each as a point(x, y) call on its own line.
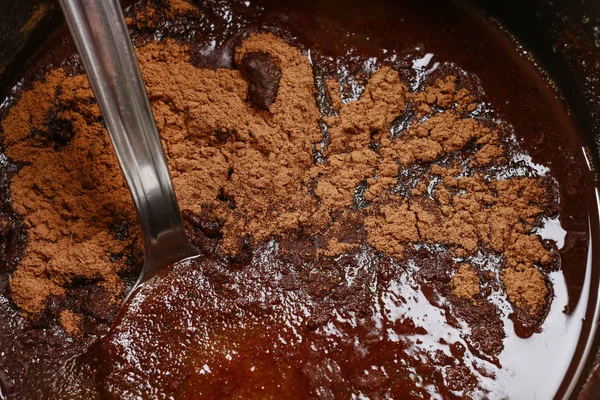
point(271, 153)
point(249, 165)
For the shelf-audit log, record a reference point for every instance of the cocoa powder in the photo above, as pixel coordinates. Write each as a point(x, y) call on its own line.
point(71, 322)
point(465, 282)
point(70, 191)
point(250, 166)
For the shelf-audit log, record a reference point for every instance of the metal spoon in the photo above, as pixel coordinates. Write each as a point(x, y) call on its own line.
point(100, 33)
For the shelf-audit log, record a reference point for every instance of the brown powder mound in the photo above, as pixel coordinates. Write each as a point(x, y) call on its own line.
point(525, 287)
point(474, 212)
point(70, 197)
point(382, 101)
point(246, 166)
point(441, 134)
point(245, 160)
point(465, 282)
point(350, 160)
point(71, 322)
point(444, 94)
point(486, 155)
point(392, 228)
point(69, 193)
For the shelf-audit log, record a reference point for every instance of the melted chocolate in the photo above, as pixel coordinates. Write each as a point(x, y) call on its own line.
point(263, 79)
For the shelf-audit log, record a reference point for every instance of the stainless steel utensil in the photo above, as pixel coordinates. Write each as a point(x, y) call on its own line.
point(100, 33)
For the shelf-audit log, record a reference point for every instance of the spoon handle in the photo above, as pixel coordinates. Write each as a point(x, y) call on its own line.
point(101, 36)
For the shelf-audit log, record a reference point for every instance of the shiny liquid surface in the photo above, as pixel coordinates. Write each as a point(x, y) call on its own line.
point(258, 336)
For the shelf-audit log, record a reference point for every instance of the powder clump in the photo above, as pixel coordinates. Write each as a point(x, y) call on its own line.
point(465, 282)
point(69, 192)
point(71, 322)
point(525, 287)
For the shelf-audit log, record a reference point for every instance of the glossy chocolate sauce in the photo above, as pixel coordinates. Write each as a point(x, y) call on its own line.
point(284, 324)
